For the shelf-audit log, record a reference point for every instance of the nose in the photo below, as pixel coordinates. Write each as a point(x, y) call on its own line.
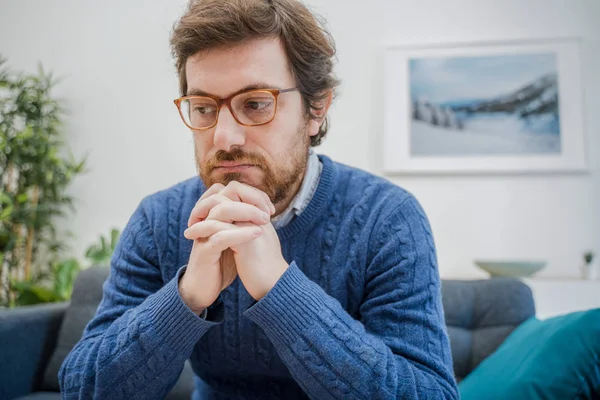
point(228, 133)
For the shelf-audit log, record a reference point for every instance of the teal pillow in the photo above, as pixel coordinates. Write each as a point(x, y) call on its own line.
point(557, 358)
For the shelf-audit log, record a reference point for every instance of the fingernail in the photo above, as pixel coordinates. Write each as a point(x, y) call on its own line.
point(266, 217)
point(185, 233)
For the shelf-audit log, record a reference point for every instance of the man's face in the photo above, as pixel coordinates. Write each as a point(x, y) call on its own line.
point(271, 157)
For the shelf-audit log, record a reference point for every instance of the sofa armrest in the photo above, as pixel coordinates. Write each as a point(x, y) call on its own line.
point(27, 339)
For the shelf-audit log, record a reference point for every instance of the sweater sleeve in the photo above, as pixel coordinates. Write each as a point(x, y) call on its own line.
point(142, 333)
point(398, 349)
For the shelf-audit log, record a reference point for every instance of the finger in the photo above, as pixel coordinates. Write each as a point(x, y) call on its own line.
point(207, 228)
point(214, 189)
point(248, 194)
point(233, 211)
point(225, 239)
point(203, 207)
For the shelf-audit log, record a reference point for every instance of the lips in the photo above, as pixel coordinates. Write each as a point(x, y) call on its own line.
point(232, 167)
point(232, 164)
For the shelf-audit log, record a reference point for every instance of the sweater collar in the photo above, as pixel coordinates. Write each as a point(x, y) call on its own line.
point(318, 203)
point(305, 193)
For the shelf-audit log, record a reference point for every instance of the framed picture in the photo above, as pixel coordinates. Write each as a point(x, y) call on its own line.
point(484, 107)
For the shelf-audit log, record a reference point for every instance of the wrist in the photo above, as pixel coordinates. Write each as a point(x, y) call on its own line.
point(191, 303)
point(277, 274)
point(189, 299)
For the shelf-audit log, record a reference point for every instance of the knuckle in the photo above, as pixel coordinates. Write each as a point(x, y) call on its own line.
point(221, 198)
point(258, 214)
point(199, 210)
point(215, 241)
point(202, 228)
point(217, 211)
point(213, 214)
point(232, 188)
point(226, 193)
point(213, 225)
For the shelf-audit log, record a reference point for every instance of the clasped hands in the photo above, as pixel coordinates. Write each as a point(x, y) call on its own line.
point(232, 233)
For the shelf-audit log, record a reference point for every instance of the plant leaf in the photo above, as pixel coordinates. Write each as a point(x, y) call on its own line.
point(64, 277)
point(29, 293)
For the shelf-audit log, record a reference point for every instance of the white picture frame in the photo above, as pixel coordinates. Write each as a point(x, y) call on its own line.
point(521, 138)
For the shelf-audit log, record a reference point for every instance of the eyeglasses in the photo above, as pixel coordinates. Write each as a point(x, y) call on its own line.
point(249, 108)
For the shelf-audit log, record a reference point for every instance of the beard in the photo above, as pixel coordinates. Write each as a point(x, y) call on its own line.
point(278, 181)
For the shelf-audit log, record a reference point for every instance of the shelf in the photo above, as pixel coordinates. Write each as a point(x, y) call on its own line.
point(557, 296)
point(560, 279)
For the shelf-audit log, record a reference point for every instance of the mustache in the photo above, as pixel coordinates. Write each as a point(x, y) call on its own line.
point(236, 154)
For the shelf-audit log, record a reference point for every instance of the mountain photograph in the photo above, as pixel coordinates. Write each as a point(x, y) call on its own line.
point(491, 105)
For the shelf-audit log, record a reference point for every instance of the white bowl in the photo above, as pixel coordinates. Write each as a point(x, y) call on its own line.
point(512, 268)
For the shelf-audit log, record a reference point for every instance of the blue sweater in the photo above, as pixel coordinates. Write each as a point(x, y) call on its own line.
point(357, 315)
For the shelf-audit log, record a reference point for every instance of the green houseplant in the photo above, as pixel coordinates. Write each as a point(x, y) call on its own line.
point(62, 274)
point(36, 168)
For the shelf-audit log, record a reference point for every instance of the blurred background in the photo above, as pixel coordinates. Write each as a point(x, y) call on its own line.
point(118, 83)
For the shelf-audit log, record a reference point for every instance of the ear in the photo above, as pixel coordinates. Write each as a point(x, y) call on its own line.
point(319, 112)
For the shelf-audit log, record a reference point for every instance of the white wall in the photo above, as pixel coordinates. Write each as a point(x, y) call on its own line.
point(119, 84)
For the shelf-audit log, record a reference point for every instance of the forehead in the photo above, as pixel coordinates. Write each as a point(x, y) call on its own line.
point(223, 71)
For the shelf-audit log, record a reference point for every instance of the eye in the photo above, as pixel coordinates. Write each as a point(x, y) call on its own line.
point(203, 108)
point(258, 104)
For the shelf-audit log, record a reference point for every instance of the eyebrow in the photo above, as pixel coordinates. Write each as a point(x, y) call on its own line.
point(254, 86)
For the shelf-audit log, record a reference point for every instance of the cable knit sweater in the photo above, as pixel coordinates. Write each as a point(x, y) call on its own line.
point(357, 315)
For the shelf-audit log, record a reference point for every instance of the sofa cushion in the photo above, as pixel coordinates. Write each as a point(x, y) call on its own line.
point(480, 314)
point(87, 293)
point(27, 339)
point(558, 358)
point(41, 396)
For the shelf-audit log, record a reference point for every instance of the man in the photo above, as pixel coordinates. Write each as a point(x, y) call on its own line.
point(279, 273)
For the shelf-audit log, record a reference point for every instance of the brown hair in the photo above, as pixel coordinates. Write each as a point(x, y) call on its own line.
point(309, 47)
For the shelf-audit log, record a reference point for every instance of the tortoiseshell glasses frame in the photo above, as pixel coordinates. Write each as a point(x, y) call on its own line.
point(252, 107)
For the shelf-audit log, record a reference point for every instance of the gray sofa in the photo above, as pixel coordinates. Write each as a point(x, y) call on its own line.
point(35, 340)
